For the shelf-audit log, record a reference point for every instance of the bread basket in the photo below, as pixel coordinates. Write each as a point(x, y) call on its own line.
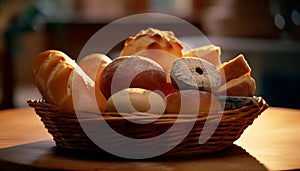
point(67, 132)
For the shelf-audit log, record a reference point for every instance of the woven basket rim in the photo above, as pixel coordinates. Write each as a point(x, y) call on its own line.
point(67, 133)
point(42, 104)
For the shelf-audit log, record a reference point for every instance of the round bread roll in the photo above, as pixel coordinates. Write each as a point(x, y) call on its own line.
point(60, 80)
point(131, 72)
point(191, 101)
point(152, 39)
point(93, 64)
point(136, 100)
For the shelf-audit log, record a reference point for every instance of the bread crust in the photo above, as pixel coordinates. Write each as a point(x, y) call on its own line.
point(136, 100)
point(92, 63)
point(152, 39)
point(194, 73)
point(234, 68)
point(242, 86)
point(50, 71)
point(207, 102)
point(210, 53)
point(58, 86)
point(132, 72)
point(54, 73)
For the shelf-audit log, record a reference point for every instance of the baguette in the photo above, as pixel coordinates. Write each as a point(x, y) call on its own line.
point(58, 78)
point(50, 72)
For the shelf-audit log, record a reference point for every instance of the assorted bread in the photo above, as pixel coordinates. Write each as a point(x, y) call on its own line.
point(152, 74)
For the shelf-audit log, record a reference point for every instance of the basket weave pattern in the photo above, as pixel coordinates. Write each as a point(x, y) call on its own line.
point(67, 133)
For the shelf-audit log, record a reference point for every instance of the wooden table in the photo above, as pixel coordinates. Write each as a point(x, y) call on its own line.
point(271, 143)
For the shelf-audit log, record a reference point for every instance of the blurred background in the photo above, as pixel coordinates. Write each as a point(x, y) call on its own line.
point(265, 31)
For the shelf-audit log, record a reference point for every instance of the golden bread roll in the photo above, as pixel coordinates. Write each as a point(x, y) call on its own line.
point(57, 76)
point(94, 62)
point(234, 68)
point(206, 102)
point(136, 100)
point(242, 86)
point(152, 39)
point(210, 53)
point(131, 72)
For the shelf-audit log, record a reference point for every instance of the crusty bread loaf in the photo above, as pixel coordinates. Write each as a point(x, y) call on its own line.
point(234, 68)
point(152, 39)
point(131, 72)
point(210, 53)
point(57, 76)
point(50, 72)
point(185, 101)
point(242, 86)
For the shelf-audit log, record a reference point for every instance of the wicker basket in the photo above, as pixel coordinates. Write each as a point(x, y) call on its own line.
point(65, 128)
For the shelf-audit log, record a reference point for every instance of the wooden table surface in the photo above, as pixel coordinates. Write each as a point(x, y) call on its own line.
point(271, 143)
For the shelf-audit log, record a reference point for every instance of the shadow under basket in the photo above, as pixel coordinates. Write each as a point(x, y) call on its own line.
point(178, 133)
